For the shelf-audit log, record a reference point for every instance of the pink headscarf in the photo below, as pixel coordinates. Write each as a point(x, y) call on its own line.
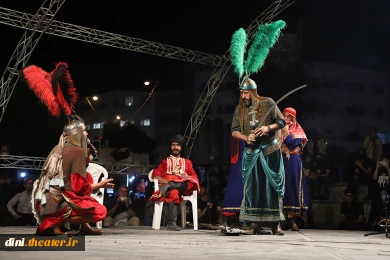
point(295, 129)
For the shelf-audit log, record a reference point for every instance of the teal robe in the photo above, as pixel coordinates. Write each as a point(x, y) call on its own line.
point(262, 169)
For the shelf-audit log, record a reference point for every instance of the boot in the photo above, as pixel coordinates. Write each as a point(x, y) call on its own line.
point(277, 230)
point(181, 186)
point(85, 227)
point(256, 228)
point(172, 216)
point(53, 231)
point(292, 225)
point(87, 230)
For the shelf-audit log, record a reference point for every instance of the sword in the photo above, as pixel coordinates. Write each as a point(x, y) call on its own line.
point(276, 103)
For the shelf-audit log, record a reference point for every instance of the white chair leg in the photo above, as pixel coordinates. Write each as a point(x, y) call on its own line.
point(158, 207)
point(183, 214)
point(194, 203)
point(99, 224)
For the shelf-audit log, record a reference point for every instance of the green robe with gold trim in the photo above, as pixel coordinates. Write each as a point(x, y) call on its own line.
point(262, 168)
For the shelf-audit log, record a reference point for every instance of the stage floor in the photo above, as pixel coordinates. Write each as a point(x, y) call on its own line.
point(145, 243)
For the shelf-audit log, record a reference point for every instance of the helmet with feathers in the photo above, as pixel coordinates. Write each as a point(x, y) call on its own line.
point(247, 62)
point(56, 90)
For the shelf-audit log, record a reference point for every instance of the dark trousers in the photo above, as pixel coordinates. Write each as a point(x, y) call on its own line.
point(363, 179)
point(25, 220)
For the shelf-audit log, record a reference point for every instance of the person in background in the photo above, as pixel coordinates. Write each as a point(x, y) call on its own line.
point(22, 200)
point(352, 213)
point(121, 211)
point(209, 210)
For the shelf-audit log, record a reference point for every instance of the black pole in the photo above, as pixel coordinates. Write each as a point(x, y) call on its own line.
point(385, 200)
point(208, 194)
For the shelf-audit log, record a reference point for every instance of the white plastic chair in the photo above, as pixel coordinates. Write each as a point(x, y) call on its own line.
point(158, 207)
point(96, 171)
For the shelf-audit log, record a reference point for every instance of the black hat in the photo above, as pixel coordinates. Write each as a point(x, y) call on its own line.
point(179, 139)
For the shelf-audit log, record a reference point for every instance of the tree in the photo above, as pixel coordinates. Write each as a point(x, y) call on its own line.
point(129, 137)
point(119, 154)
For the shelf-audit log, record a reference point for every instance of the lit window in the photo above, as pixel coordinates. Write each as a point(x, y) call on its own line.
point(122, 123)
point(132, 122)
point(129, 101)
point(145, 122)
point(96, 125)
point(87, 127)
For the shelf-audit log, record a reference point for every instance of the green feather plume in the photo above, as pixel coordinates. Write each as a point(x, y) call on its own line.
point(237, 50)
point(265, 38)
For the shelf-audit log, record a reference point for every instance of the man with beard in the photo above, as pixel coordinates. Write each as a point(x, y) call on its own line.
point(176, 177)
point(257, 121)
point(262, 169)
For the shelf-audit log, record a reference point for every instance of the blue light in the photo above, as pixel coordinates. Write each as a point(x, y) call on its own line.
point(22, 174)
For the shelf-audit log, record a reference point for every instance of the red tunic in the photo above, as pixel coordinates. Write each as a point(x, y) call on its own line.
point(77, 192)
point(177, 165)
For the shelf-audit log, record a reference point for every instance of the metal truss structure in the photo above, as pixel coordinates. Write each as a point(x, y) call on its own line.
point(24, 49)
point(36, 163)
point(219, 73)
point(80, 33)
point(42, 22)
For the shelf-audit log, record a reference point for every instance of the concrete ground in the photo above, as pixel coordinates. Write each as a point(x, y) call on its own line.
point(145, 243)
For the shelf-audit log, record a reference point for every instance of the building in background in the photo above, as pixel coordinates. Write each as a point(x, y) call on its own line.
point(349, 101)
point(117, 106)
point(160, 117)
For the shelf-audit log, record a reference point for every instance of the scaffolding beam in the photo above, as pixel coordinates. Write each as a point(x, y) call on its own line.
point(42, 22)
point(36, 164)
point(85, 34)
point(25, 47)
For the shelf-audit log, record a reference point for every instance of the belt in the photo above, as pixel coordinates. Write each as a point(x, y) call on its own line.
point(263, 146)
point(291, 152)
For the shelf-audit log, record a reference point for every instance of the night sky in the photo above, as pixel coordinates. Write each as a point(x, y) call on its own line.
point(344, 33)
point(350, 32)
point(206, 27)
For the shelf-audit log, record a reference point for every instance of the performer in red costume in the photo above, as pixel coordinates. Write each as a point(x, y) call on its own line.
point(62, 192)
point(176, 177)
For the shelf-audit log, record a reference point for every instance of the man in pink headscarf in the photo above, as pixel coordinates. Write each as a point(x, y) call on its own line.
point(295, 199)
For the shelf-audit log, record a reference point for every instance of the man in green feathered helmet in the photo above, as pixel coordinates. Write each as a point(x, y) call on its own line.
point(262, 170)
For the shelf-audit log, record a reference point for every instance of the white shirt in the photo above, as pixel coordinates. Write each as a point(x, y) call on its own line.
point(23, 202)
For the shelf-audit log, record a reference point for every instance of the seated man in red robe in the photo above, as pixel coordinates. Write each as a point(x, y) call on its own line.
point(176, 177)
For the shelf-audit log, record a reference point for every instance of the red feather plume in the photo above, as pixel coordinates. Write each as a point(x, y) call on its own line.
point(39, 82)
point(63, 87)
